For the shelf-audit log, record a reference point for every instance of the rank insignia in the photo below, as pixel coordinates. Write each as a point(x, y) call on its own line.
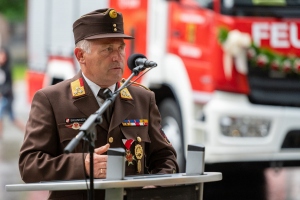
point(129, 157)
point(135, 122)
point(125, 94)
point(77, 88)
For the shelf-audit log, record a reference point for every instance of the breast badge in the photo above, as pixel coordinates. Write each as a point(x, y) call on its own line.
point(138, 151)
point(74, 123)
point(74, 126)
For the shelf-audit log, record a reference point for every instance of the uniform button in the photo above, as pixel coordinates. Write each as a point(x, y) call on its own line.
point(139, 139)
point(115, 29)
point(110, 140)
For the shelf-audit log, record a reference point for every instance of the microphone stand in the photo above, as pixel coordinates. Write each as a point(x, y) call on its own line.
point(87, 130)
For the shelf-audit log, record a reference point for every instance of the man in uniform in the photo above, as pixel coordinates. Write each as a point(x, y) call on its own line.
point(57, 112)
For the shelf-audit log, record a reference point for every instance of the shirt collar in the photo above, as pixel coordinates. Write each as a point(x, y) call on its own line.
point(95, 88)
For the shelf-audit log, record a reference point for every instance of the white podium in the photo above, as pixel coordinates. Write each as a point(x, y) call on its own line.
point(178, 186)
point(167, 180)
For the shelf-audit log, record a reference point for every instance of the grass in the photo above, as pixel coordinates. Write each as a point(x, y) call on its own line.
point(19, 71)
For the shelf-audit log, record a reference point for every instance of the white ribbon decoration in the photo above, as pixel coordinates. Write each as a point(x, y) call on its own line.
point(235, 47)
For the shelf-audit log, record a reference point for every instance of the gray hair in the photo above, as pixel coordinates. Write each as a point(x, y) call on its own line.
point(84, 45)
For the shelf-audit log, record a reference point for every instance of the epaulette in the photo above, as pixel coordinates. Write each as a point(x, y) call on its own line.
point(135, 84)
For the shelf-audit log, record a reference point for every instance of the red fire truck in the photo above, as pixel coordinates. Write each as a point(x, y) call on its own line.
point(228, 73)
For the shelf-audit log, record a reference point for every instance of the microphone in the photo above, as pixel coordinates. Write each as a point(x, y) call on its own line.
point(139, 60)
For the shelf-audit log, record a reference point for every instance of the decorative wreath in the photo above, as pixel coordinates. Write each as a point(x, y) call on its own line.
point(238, 45)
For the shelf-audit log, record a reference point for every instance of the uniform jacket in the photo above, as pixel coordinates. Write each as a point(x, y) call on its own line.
point(55, 115)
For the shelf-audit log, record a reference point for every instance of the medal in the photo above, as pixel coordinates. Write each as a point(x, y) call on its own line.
point(138, 151)
point(128, 157)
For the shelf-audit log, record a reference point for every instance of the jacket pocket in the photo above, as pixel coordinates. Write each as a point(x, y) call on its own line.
point(66, 134)
point(136, 132)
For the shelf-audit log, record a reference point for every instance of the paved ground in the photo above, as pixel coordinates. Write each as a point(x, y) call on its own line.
point(283, 184)
point(9, 149)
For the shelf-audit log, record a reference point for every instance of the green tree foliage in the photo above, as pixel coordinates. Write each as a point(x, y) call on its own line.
point(13, 10)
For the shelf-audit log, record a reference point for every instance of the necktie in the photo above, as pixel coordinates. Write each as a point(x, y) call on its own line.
point(101, 93)
point(108, 113)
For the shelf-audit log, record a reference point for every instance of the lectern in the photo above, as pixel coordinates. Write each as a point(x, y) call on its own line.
point(187, 185)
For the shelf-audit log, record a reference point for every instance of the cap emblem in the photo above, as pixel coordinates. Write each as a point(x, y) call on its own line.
point(113, 14)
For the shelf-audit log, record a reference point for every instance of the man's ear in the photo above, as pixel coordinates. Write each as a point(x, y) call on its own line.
point(79, 55)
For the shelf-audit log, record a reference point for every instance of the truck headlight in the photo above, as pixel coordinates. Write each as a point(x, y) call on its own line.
point(244, 126)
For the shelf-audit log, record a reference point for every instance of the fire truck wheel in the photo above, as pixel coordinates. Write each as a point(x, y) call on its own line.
point(172, 126)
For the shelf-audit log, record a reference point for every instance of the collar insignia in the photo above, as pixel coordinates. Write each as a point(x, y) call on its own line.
point(124, 93)
point(77, 88)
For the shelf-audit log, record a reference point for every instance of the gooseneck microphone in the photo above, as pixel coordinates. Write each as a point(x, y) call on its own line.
point(139, 62)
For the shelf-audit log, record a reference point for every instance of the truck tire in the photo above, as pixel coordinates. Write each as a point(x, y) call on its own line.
point(172, 126)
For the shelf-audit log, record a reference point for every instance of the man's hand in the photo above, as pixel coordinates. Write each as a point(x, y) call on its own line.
point(100, 162)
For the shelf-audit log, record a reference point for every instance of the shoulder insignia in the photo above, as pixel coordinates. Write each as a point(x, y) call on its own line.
point(77, 88)
point(135, 84)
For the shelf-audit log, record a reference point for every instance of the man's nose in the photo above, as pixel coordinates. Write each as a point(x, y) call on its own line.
point(117, 55)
